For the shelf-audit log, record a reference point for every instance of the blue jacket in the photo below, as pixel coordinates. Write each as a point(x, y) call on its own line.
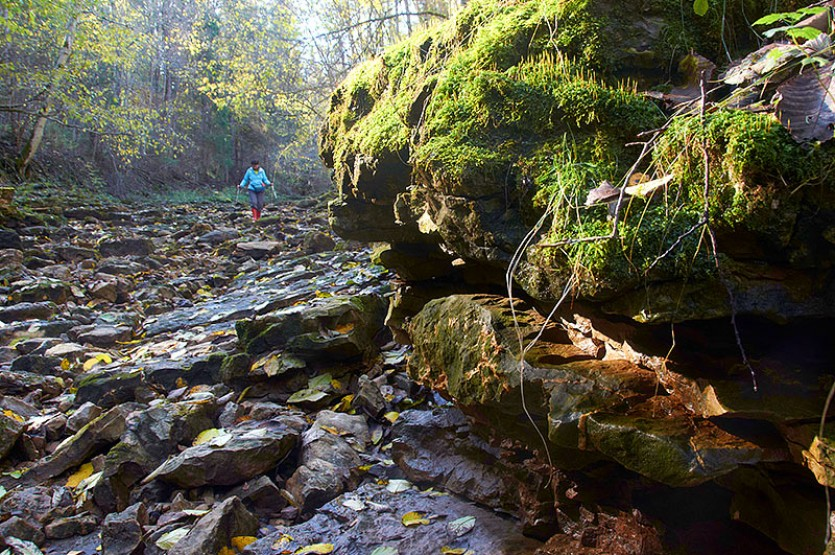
point(255, 181)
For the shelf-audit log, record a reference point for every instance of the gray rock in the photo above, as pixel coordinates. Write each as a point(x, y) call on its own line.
point(108, 388)
point(36, 346)
point(37, 364)
point(66, 527)
point(316, 241)
point(345, 424)
point(45, 289)
point(70, 253)
point(28, 311)
point(135, 246)
point(18, 406)
point(315, 483)
point(368, 397)
point(57, 271)
point(31, 503)
point(82, 416)
point(10, 429)
point(10, 239)
point(249, 450)
point(215, 530)
point(23, 529)
point(70, 351)
point(259, 249)
point(25, 383)
point(121, 533)
point(379, 524)
point(103, 336)
point(11, 263)
point(219, 236)
point(260, 495)
point(122, 266)
point(95, 437)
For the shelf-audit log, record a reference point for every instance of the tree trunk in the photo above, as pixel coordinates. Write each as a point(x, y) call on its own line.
point(34, 142)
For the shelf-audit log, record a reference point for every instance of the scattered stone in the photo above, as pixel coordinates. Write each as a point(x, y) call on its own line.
point(238, 455)
point(316, 241)
point(315, 483)
point(108, 388)
point(37, 364)
point(82, 416)
point(11, 426)
point(122, 532)
point(260, 495)
point(259, 249)
point(215, 531)
point(66, 527)
point(134, 246)
point(9, 240)
point(219, 236)
point(28, 311)
point(368, 398)
point(102, 336)
point(70, 351)
point(23, 529)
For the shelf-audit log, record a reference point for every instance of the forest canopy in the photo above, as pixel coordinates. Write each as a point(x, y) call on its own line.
point(160, 93)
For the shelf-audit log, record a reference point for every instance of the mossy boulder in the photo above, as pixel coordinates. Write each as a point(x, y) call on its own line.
point(339, 328)
point(465, 133)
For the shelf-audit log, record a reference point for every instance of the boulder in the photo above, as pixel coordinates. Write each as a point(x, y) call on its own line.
point(74, 254)
point(66, 527)
point(337, 328)
point(70, 351)
point(238, 455)
point(37, 364)
point(82, 416)
point(357, 523)
point(33, 504)
point(97, 436)
point(316, 241)
point(9, 239)
point(259, 249)
point(11, 264)
point(260, 495)
point(122, 533)
point(151, 436)
point(132, 246)
point(21, 528)
point(45, 289)
point(214, 531)
point(218, 236)
point(122, 266)
point(108, 388)
point(102, 336)
point(28, 311)
point(315, 483)
point(11, 426)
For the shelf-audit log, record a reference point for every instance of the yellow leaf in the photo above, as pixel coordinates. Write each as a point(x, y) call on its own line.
point(391, 416)
point(446, 550)
point(83, 472)
point(240, 542)
point(180, 382)
point(315, 549)
point(413, 518)
point(99, 358)
point(344, 328)
point(226, 551)
point(65, 365)
point(344, 404)
point(13, 415)
point(207, 435)
point(282, 542)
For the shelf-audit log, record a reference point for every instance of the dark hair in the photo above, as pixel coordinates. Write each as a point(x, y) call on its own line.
point(254, 163)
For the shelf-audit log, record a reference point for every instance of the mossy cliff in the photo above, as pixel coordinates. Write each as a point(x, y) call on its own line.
point(454, 142)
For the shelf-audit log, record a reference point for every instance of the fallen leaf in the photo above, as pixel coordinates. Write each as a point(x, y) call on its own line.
point(226, 551)
point(307, 395)
point(83, 472)
point(207, 435)
point(169, 539)
point(65, 364)
point(13, 415)
point(355, 504)
point(461, 526)
point(392, 416)
point(413, 518)
point(240, 542)
point(101, 358)
point(385, 550)
point(446, 550)
point(282, 542)
point(398, 486)
point(315, 549)
point(320, 382)
point(344, 328)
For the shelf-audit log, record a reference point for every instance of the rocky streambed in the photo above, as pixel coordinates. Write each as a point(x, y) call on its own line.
point(181, 381)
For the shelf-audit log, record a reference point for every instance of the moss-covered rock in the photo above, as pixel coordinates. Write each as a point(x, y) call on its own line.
point(465, 133)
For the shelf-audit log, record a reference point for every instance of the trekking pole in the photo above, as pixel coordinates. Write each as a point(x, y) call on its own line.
point(237, 192)
point(275, 198)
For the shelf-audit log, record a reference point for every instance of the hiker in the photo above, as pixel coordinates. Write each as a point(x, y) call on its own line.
point(255, 181)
